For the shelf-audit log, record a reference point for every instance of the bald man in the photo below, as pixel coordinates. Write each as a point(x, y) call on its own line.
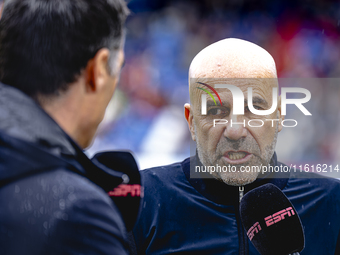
point(200, 215)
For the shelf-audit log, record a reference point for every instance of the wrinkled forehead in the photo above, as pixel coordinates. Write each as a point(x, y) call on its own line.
point(262, 87)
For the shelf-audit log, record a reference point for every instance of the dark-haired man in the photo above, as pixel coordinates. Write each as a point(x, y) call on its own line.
point(185, 212)
point(59, 66)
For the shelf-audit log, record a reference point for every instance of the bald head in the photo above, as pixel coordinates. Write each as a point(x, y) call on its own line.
point(247, 67)
point(233, 58)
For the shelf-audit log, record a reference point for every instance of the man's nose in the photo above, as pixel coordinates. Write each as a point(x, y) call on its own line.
point(236, 128)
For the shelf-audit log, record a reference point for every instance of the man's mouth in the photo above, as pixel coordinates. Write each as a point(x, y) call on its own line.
point(237, 157)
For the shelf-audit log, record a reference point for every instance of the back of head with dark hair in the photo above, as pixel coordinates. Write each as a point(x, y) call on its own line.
point(45, 44)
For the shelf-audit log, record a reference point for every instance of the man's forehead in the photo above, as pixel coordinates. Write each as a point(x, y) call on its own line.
point(259, 85)
point(238, 82)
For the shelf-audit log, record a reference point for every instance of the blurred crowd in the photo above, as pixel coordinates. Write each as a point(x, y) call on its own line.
point(147, 115)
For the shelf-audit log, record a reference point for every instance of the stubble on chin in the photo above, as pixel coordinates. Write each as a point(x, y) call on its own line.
point(238, 178)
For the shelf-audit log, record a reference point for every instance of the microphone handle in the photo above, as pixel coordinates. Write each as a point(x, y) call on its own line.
point(295, 253)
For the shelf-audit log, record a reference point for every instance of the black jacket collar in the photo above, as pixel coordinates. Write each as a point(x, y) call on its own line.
point(22, 118)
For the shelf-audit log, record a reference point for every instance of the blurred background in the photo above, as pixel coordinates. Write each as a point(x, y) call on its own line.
point(146, 114)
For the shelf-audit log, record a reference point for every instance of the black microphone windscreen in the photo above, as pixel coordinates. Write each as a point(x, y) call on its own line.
point(271, 222)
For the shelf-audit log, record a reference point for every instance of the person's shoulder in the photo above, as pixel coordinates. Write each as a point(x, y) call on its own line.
point(61, 190)
point(91, 216)
point(80, 193)
point(316, 181)
point(166, 171)
point(166, 178)
point(68, 209)
point(300, 174)
point(67, 182)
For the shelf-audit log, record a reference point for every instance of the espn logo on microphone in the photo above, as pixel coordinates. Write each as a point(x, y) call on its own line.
point(270, 220)
point(276, 217)
point(124, 189)
point(254, 230)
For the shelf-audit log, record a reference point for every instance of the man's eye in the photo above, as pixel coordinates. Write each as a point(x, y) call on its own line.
point(217, 111)
point(246, 109)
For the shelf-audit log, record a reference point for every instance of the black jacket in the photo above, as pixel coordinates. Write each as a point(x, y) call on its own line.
point(182, 215)
point(53, 199)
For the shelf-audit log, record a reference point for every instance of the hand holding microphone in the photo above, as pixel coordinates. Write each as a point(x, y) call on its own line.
point(271, 221)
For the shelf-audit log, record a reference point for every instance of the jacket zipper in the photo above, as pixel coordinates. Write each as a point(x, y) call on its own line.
point(241, 193)
point(243, 242)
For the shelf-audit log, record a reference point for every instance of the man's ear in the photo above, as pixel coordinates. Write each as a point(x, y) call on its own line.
point(97, 71)
point(280, 116)
point(189, 118)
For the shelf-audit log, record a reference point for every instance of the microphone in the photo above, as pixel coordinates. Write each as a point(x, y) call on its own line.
point(271, 221)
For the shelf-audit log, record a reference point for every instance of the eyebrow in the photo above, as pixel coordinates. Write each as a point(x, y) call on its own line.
point(257, 100)
point(211, 103)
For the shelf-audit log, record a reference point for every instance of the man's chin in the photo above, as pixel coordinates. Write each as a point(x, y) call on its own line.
point(238, 178)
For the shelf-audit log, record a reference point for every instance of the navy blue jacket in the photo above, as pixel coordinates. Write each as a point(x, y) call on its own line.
point(53, 199)
point(201, 216)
